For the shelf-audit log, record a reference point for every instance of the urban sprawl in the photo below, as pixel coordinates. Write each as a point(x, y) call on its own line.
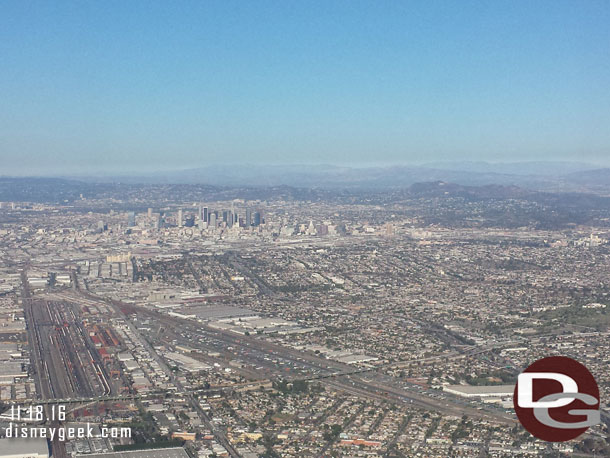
point(295, 327)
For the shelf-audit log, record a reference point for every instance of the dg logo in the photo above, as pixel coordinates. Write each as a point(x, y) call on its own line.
point(556, 399)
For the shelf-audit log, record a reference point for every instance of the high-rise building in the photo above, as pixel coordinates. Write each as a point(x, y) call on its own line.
point(257, 219)
point(190, 221)
point(213, 220)
point(150, 210)
point(229, 219)
point(204, 214)
point(180, 218)
point(311, 229)
point(248, 220)
point(234, 216)
point(131, 219)
point(389, 229)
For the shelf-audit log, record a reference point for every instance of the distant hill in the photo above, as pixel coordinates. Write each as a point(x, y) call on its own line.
point(38, 189)
point(524, 168)
point(441, 189)
point(492, 191)
point(555, 176)
point(451, 204)
point(303, 182)
point(596, 177)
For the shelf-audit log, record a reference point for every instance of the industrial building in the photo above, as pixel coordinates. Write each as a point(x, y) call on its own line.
point(24, 448)
point(469, 391)
point(173, 452)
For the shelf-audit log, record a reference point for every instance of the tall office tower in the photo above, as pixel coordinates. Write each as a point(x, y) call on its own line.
point(257, 219)
point(131, 219)
point(179, 218)
point(234, 217)
point(213, 220)
point(150, 212)
point(101, 226)
point(157, 223)
point(311, 229)
point(389, 229)
point(204, 214)
point(248, 220)
point(225, 216)
point(190, 221)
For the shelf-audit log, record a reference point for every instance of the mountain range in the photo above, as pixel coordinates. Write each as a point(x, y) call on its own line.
point(547, 176)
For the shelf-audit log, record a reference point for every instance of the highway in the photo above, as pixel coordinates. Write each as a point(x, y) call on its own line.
point(271, 361)
point(218, 434)
point(311, 367)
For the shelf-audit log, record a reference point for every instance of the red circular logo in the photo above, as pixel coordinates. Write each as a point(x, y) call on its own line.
point(556, 399)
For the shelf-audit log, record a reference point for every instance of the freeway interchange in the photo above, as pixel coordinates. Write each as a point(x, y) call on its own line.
point(270, 361)
point(63, 381)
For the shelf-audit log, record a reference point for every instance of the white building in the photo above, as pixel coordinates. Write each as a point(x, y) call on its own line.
point(24, 448)
point(469, 391)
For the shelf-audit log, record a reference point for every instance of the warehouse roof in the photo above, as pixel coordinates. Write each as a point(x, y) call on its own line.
point(174, 452)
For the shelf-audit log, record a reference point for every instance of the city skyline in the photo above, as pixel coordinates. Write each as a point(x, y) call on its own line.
point(334, 323)
point(304, 229)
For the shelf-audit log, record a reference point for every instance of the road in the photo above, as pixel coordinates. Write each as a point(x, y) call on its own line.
point(327, 371)
point(218, 434)
point(272, 359)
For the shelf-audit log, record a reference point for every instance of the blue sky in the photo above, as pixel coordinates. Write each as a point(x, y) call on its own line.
point(142, 85)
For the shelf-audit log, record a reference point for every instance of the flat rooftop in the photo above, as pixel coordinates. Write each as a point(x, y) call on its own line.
point(24, 447)
point(12, 369)
point(174, 452)
point(215, 312)
point(486, 390)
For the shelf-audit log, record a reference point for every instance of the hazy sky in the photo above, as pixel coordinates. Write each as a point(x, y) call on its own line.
point(152, 85)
